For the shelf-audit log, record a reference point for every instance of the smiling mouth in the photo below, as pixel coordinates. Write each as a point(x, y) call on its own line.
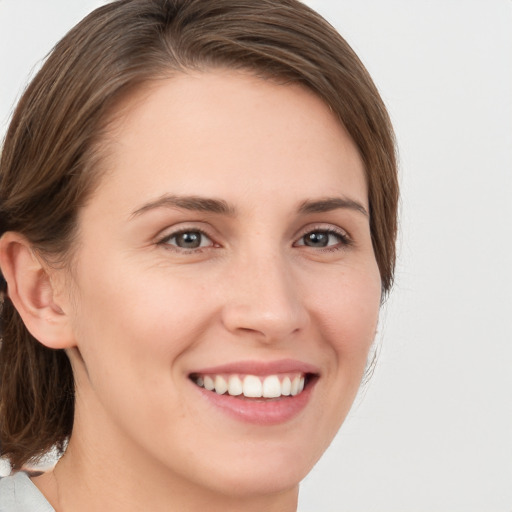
point(254, 386)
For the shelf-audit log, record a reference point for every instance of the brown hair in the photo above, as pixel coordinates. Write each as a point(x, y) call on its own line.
point(49, 158)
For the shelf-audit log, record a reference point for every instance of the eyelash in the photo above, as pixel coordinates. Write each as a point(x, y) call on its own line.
point(344, 240)
point(165, 241)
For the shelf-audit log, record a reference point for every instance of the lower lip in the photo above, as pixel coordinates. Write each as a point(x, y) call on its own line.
point(260, 412)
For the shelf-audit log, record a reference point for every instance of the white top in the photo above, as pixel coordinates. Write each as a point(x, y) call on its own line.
point(19, 494)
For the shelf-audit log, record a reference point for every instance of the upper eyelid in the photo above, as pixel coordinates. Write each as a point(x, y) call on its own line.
point(182, 231)
point(171, 231)
point(332, 228)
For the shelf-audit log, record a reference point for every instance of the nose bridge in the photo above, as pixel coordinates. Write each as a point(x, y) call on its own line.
point(264, 296)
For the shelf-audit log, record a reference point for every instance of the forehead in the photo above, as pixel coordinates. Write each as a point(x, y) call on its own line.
point(207, 130)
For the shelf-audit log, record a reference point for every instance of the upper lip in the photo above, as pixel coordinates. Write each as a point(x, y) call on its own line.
point(260, 368)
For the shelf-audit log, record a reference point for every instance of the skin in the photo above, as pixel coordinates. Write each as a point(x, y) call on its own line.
point(138, 313)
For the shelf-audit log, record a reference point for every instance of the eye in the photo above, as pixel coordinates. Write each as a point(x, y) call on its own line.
point(191, 239)
point(323, 238)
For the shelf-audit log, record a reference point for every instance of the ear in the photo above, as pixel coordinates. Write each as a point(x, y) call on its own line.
point(31, 288)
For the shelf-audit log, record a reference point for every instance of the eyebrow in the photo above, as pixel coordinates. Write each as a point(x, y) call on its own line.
point(221, 207)
point(192, 203)
point(332, 203)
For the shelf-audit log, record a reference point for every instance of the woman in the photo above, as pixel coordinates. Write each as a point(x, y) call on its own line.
point(198, 215)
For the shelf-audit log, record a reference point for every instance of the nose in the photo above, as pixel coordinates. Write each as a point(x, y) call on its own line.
point(264, 300)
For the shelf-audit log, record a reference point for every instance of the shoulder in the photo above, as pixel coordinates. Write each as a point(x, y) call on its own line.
point(19, 494)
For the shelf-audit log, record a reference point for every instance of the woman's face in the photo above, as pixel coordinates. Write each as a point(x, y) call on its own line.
point(227, 245)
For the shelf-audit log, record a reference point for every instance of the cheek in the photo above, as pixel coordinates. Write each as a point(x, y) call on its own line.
point(134, 324)
point(347, 312)
point(349, 308)
point(131, 336)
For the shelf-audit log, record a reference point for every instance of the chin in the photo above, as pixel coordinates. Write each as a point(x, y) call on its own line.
point(272, 469)
point(259, 480)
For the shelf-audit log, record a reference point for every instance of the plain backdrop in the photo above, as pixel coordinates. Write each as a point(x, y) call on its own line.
point(432, 432)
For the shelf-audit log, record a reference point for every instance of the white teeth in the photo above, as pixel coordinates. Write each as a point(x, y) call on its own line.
point(286, 386)
point(252, 387)
point(295, 386)
point(208, 383)
point(271, 387)
point(221, 386)
point(235, 387)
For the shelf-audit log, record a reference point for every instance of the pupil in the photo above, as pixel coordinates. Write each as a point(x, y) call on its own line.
point(317, 239)
point(189, 240)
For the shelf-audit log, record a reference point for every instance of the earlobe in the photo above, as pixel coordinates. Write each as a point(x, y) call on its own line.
point(32, 291)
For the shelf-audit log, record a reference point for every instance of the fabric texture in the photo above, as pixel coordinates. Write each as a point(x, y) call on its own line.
point(19, 494)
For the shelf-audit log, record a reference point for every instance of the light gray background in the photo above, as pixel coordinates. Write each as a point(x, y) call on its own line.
point(433, 430)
